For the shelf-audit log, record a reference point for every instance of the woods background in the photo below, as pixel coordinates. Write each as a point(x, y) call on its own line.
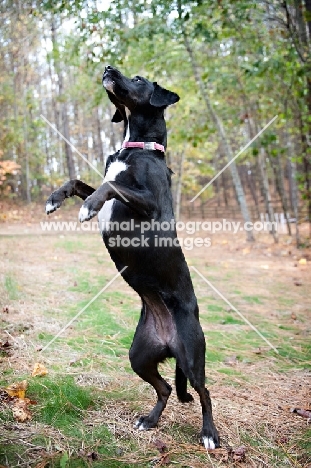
point(235, 65)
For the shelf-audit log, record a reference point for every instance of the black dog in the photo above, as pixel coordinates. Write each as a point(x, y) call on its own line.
point(136, 190)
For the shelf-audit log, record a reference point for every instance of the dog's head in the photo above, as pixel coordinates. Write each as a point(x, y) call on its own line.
point(134, 93)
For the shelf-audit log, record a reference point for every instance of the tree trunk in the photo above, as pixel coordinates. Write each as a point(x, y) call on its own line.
point(99, 148)
point(279, 180)
point(65, 120)
point(179, 184)
point(266, 192)
point(295, 200)
point(218, 123)
point(252, 187)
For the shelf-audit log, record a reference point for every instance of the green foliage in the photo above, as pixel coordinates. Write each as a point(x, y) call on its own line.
point(250, 65)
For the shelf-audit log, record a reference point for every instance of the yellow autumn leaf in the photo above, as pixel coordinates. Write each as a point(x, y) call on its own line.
point(39, 370)
point(17, 389)
point(302, 261)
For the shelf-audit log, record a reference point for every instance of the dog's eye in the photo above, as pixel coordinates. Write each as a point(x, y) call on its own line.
point(136, 79)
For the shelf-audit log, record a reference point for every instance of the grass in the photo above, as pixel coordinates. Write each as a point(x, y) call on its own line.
point(87, 403)
point(63, 405)
point(11, 287)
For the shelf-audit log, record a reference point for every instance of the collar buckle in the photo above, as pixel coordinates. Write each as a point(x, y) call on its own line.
point(149, 145)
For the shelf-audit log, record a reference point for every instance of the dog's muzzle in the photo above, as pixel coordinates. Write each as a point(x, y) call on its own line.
point(108, 82)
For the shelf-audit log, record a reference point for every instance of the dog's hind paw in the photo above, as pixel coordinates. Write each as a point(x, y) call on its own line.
point(140, 425)
point(209, 443)
point(144, 423)
point(185, 398)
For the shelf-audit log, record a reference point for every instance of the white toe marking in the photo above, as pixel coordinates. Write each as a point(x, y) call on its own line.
point(49, 207)
point(139, 425)
point(83, 213)
point(208, 443)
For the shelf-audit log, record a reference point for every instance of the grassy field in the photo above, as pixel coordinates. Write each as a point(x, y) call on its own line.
point(87, 403)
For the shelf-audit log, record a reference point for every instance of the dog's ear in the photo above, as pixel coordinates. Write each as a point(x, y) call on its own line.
point(118, 117)
point(162, 97)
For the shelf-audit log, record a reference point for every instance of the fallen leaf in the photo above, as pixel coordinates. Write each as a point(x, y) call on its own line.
point(302, 261)
point(17, 389)
point(39, 370)
point(301, 412)
point(30, 402)
point(20, 411)
point(165, 460)
point(238, 454)
point(160, 445)
point(294, 316)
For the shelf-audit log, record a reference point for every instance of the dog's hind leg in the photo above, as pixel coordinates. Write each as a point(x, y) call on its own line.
point(181, 386)
point(209, 432)
point(191, 359)
point(145, 354)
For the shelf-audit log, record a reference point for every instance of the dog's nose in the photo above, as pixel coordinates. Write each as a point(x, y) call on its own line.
point(107, 69)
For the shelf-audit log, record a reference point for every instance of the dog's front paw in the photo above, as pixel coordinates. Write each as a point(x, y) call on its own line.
point(90, 207)
point(49, 208)
point(53, 202)
point(85, 214)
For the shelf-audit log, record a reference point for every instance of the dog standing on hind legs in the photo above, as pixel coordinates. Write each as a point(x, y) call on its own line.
point(136, 188)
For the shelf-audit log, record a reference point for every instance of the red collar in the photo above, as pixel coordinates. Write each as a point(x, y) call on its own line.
point(148, 145)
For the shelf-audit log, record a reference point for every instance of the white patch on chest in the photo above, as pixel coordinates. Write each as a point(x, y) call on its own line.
point(104, 215)
point(113, 170)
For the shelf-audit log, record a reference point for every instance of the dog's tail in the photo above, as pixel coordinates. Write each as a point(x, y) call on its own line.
point(181, 386)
